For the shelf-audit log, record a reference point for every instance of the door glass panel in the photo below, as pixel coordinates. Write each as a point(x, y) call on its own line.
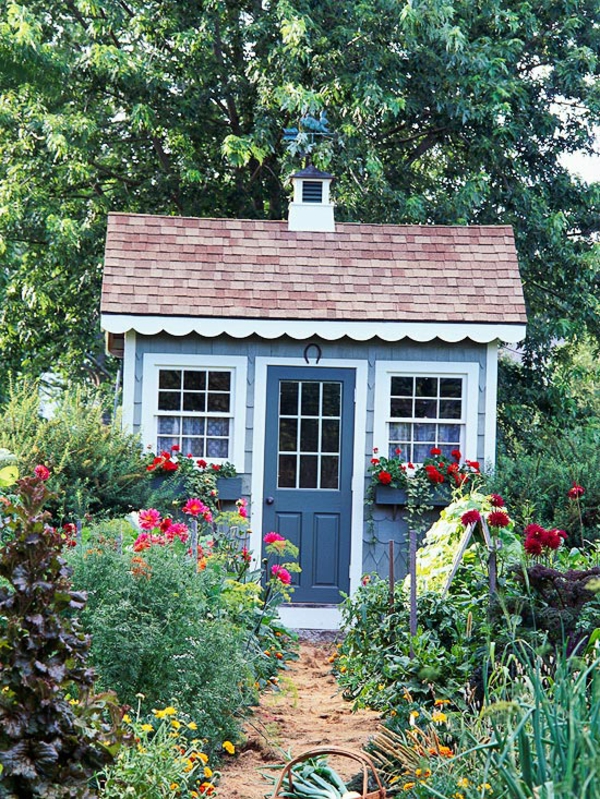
point(310, 399)
point(329, 471)
point(330, 439)
point(288, 435)
point(288, 398)
point(287, 471)
point(331, 399)
point(311, 459)
point(308, 471)
point(309, 435)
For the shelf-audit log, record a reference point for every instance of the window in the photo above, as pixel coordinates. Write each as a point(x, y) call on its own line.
point(196, 403)
point(420, 406)
point(194, 411)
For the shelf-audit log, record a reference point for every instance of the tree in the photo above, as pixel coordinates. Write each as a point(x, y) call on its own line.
point(445, 112)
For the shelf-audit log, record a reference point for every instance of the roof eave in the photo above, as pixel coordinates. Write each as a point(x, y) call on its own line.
point(301, 329)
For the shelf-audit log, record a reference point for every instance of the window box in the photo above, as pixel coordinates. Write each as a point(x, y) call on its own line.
point(386, 495)
point(229, 488)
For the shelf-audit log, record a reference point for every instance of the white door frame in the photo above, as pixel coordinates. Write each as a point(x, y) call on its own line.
point(298, 617)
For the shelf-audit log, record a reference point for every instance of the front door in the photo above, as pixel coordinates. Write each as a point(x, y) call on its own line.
point(308, 473)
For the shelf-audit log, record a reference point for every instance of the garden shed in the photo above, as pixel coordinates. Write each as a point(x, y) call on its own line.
point(293, 348)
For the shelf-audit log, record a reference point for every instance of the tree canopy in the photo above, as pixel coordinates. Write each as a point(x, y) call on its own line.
point(445, 111)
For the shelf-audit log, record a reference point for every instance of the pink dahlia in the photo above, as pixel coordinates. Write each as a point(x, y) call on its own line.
point(281, 574)
point(149, 519)
point(41, 472)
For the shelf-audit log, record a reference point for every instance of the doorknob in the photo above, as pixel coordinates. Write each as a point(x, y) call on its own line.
point(269, 500)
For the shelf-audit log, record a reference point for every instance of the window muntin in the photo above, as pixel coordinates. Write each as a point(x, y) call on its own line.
point(425, 411)
point(194, 411)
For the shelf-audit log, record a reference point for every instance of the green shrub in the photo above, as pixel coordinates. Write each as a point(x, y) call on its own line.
point(96, 468)
point(534, 482)
point(50, 742)
point(156, 628)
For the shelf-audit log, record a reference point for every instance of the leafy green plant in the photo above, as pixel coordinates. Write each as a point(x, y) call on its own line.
point(164, 761)
point(96, 468)
point(53, 732)
point(156, 629)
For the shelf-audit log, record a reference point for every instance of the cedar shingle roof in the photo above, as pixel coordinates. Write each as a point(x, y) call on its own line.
point(233, 268)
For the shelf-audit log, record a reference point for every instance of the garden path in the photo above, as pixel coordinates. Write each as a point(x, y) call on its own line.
point(308, 711)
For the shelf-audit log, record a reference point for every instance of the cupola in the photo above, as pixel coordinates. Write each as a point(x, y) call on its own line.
point(311, 208)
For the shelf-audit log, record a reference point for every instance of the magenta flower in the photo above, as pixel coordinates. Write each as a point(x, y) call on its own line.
point(281, 574)
point(273, 538)
point(149, 519)
point(194, 507)
point(496, 501)
point(573, 493)
point(41, 472)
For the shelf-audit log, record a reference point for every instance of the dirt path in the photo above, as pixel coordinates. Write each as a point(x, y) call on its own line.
point(308, 711)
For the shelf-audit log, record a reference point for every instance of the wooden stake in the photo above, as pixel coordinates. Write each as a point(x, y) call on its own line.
point(392, 578)
point(412, 567)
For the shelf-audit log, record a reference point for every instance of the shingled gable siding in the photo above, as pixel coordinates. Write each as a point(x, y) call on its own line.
point(388, 527)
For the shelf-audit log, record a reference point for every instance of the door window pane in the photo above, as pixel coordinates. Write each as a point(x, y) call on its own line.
point(288, 398)
point(310, 399)
point(309, 435)
point(288, 435)
point(330, 438)
point(308, 471)
point(287, 471)
point(329, 471)
point(331, 399)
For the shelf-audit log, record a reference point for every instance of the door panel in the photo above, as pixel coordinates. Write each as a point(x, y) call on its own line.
point(308, 473)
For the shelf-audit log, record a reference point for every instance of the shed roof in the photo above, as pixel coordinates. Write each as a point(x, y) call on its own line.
point(163, 266)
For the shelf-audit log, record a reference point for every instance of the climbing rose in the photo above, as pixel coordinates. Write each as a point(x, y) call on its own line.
point(385, 478)
point(273, 538)
point(41, 472)
point(498, 518)
point(149, 519)
point(576, 491)
point(470, 517)
point(281, 574)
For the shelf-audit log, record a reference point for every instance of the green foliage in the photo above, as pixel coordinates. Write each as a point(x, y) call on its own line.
point(155, 628)
point(9, 471)
point(49, 746)
point(536, 736)
point(535, 478)
point(445, 113)
point(96, 468)
point(375, 668)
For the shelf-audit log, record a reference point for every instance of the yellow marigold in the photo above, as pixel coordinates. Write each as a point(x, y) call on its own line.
point(408, 785)
point(189, 765)
point(192, 725)
point(170, 711)
point(463, 782)
point(208, 772)
point(228, 747)
point(458, 795)
point(485, 787)
point(147, 728)
point(441, 702)
point(203, 757)
point(173, 786)
point(175, 723)
point(445, 751)
point(439, 718)
point(127, 718)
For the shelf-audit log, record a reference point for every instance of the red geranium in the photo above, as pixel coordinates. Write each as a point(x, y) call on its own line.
point(435, 451)
point(385, 478)
point(433, 474)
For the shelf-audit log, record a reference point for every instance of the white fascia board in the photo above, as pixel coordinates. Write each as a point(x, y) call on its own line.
point(302, 329)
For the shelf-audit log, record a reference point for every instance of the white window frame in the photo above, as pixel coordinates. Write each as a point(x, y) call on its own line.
point(385, 370)
point(238, 366)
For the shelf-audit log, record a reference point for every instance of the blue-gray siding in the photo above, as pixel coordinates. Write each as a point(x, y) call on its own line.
point(386, 528)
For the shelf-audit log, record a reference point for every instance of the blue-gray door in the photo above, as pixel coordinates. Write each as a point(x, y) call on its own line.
point(309, 441)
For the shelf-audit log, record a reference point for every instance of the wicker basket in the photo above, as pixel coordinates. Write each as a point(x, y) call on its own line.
point(364, 760)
